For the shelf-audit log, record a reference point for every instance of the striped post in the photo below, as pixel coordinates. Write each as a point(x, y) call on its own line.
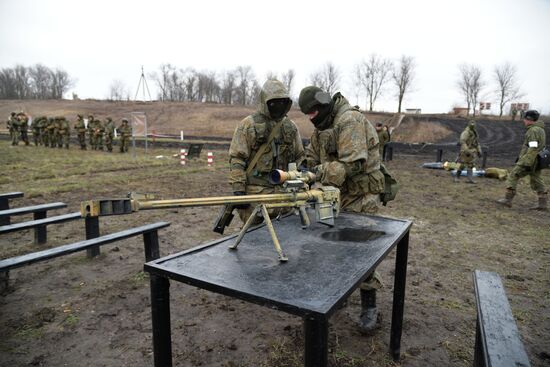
point(183, 157)
point(210, 159)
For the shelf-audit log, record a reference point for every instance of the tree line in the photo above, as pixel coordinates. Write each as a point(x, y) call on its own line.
point(34, 82)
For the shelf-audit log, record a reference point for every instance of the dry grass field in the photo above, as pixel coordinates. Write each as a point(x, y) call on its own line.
point(96, 312)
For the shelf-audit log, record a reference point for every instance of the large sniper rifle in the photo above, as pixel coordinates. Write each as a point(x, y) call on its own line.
point(295, 192)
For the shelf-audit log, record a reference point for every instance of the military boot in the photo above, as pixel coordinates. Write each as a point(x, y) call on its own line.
point(369, 312)
point(470, 175)
point(543, 202)
point(507, 200)
point(457, 176)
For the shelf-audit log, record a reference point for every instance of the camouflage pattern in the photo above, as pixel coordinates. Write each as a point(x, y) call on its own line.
point(109, 134)
point(346, 155)
point(91, 124)
point(253, 132)
point(469, 147)
point(53, 132)
point(527, 160)
point(125, 131)
point(80, 128)
point(64, 132)
point(36, 130)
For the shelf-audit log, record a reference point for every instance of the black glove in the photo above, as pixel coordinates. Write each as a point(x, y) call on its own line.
point(240, 206)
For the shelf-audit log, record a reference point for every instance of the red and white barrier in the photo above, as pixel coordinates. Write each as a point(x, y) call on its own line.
point(183, 157)
point(210, 159)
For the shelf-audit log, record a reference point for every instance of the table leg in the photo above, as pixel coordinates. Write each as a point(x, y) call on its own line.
point(92, 231)
point(316, 342)
point(151, 245)
point(40, 232)
point(478, 351)
point(160, 316)
point(399, 296)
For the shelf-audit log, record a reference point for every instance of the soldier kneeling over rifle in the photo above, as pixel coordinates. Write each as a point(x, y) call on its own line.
point(344, 153)
point(526, 164)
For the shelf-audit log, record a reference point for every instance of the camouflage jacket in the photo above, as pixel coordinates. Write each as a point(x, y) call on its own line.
point(110, 128)
point(253, 132)
point(346, 155)
point(534, 142)
point(469, 141)
point(125, 131)
point(79, 126)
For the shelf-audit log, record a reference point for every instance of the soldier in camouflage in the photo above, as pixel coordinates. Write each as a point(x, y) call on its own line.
point(344, 152)
point(98, 134)
point(109, 134)
point(80, 128)
point(125, 131)
point(37, 130)
point(526, 165)
point(262, 142)
point(383, 138)
point(469, 151)
point(13, 126)
point(24, 127)
point(91, 138)
point(64, 132)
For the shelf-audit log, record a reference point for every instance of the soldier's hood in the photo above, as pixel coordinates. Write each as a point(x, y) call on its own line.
point(272, 89)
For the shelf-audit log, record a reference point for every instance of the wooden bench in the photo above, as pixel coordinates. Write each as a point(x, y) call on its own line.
point(497, 338)
point(39, 225)
point(5, 204)
point(150, 241)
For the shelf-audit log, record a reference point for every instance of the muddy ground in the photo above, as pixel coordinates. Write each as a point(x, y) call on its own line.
point(74, 311)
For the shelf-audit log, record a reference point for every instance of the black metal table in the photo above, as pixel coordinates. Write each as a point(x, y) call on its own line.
point(325, 266)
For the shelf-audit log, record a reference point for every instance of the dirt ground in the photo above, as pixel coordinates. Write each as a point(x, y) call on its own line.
point(74, 311)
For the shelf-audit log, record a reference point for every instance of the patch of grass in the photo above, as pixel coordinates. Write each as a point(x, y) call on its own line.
point(30, 332)
point(71, 320)
point(283, 354)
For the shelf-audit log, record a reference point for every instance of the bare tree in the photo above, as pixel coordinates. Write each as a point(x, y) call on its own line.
point(403, 76)
point(373, 74)
point(288, 79)
point(228, 87)
point(41, 80)
point(61, 82)
point(118, 90)
point(7, 84)
point(245, 77)
point(508, 90)
point(470, 84)
point(327, 78)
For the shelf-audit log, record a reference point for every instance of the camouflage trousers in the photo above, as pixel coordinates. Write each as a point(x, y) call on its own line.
point(124, 143)
point(109, 142)
point(14, 137)
point(368, 204)
point(518, 172)
point(66, 138)
point(82, 140)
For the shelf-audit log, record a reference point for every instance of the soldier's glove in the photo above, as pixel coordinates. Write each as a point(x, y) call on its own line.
point(240, 206)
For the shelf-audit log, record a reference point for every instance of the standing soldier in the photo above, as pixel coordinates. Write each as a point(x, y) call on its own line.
point(526, 165)
point(125, 131)
point(469, 151)
point(98, 134)
point(64, 132)
point(262, 142)
point(35, 125)
point(109, 134)
point(52, 132)
point(45, 132)
point(80, 128)
point(383, 138)
point(12, 126)
point(24, 126)
point(343, 152)
point(91, 124)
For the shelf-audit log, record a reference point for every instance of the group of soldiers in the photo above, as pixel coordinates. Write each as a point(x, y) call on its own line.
point(56, 131)
point(525, 166)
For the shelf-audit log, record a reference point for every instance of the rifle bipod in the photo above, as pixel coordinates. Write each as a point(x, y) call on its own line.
point(263, 209)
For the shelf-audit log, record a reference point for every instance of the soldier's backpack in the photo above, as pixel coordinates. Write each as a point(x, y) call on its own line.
point(391, 186)
point(543, 159)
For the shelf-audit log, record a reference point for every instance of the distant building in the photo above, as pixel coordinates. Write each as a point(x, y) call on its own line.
point(413, 111)
point(460, 111)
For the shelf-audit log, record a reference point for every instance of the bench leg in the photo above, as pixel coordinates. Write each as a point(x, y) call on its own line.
point(160, 316)
point(40, 232)
point(92, 231)
point(399, 296)
point(151, 244)
point(478, 349)
point(316, 342)
point(4, 205)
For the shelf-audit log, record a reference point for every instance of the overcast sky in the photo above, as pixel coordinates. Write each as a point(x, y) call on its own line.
point(99, 41)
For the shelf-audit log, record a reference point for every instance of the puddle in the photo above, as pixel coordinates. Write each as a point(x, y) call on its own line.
point(352, 235)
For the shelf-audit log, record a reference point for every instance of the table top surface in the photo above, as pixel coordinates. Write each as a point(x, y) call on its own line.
point(325, 264)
